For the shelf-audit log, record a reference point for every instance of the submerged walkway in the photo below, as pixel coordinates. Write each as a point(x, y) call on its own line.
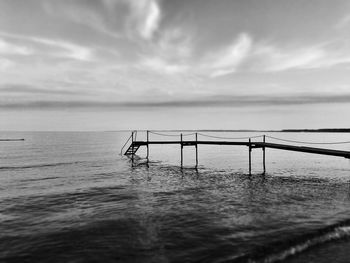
point(136, 144)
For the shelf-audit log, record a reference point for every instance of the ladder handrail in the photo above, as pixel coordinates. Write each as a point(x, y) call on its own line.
point(121, 151)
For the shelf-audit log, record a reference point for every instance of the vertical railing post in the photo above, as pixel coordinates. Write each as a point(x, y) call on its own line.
point(147, 147)
point(264, 156)
point(181, 151)
point(196, 151)
point(250, 157)
point(132, 148)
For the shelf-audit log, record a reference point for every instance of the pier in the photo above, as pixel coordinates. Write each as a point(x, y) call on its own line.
point(135, 144)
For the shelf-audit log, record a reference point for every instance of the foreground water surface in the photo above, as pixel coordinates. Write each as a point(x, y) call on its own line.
point(70, 197)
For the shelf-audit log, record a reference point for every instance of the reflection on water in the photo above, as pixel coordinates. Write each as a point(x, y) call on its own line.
point(69, 197)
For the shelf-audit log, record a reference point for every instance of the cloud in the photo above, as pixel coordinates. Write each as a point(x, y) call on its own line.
point(62, 48)
point(146, 14)
point(221, 101)
point(141, 17)
point(86, 14)
point(172, 54)
point(29, 89)
point(6, 64)
point(151, 21)
point(169, 54)
point(69, 50)
point(343, 22)
point(163, 67)
point(7, 48)
point(174, 43)
point(244, 55)
point(227, 60)
point(271, 58)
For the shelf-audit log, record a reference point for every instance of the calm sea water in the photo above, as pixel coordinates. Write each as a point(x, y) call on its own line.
point(70, 197)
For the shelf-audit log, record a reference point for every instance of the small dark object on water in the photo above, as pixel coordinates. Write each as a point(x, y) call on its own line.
point(11, 140)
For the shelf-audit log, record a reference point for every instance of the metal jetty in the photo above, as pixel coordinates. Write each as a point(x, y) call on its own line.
point(136, 144)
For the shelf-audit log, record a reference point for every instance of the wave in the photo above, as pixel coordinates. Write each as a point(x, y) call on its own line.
point(36, 166)
point(338, 233)
point(285, 249)
point(40, 179)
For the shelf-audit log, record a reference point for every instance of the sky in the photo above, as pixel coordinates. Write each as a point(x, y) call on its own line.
point(174, 64)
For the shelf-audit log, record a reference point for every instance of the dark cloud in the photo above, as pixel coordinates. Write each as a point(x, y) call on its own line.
point(28, 89)
point(237, 101)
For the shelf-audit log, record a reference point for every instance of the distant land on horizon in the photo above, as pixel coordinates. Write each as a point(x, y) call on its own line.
point(335, 130)
point(318, 130)
point(290, 130)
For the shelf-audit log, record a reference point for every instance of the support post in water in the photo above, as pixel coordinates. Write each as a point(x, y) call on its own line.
point(147, 147)
point(263, 148)
point(181, 151)
point(196, 151)
point(132, 148)
point(250, 157)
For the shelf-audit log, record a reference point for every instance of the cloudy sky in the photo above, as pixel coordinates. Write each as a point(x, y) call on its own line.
point(242, 63)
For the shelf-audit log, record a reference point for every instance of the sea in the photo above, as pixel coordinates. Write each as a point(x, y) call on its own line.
point(72, 197)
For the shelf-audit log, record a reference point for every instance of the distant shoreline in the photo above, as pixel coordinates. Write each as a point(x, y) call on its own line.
point(316, 130)
point(286, 130)
point(328, 130)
